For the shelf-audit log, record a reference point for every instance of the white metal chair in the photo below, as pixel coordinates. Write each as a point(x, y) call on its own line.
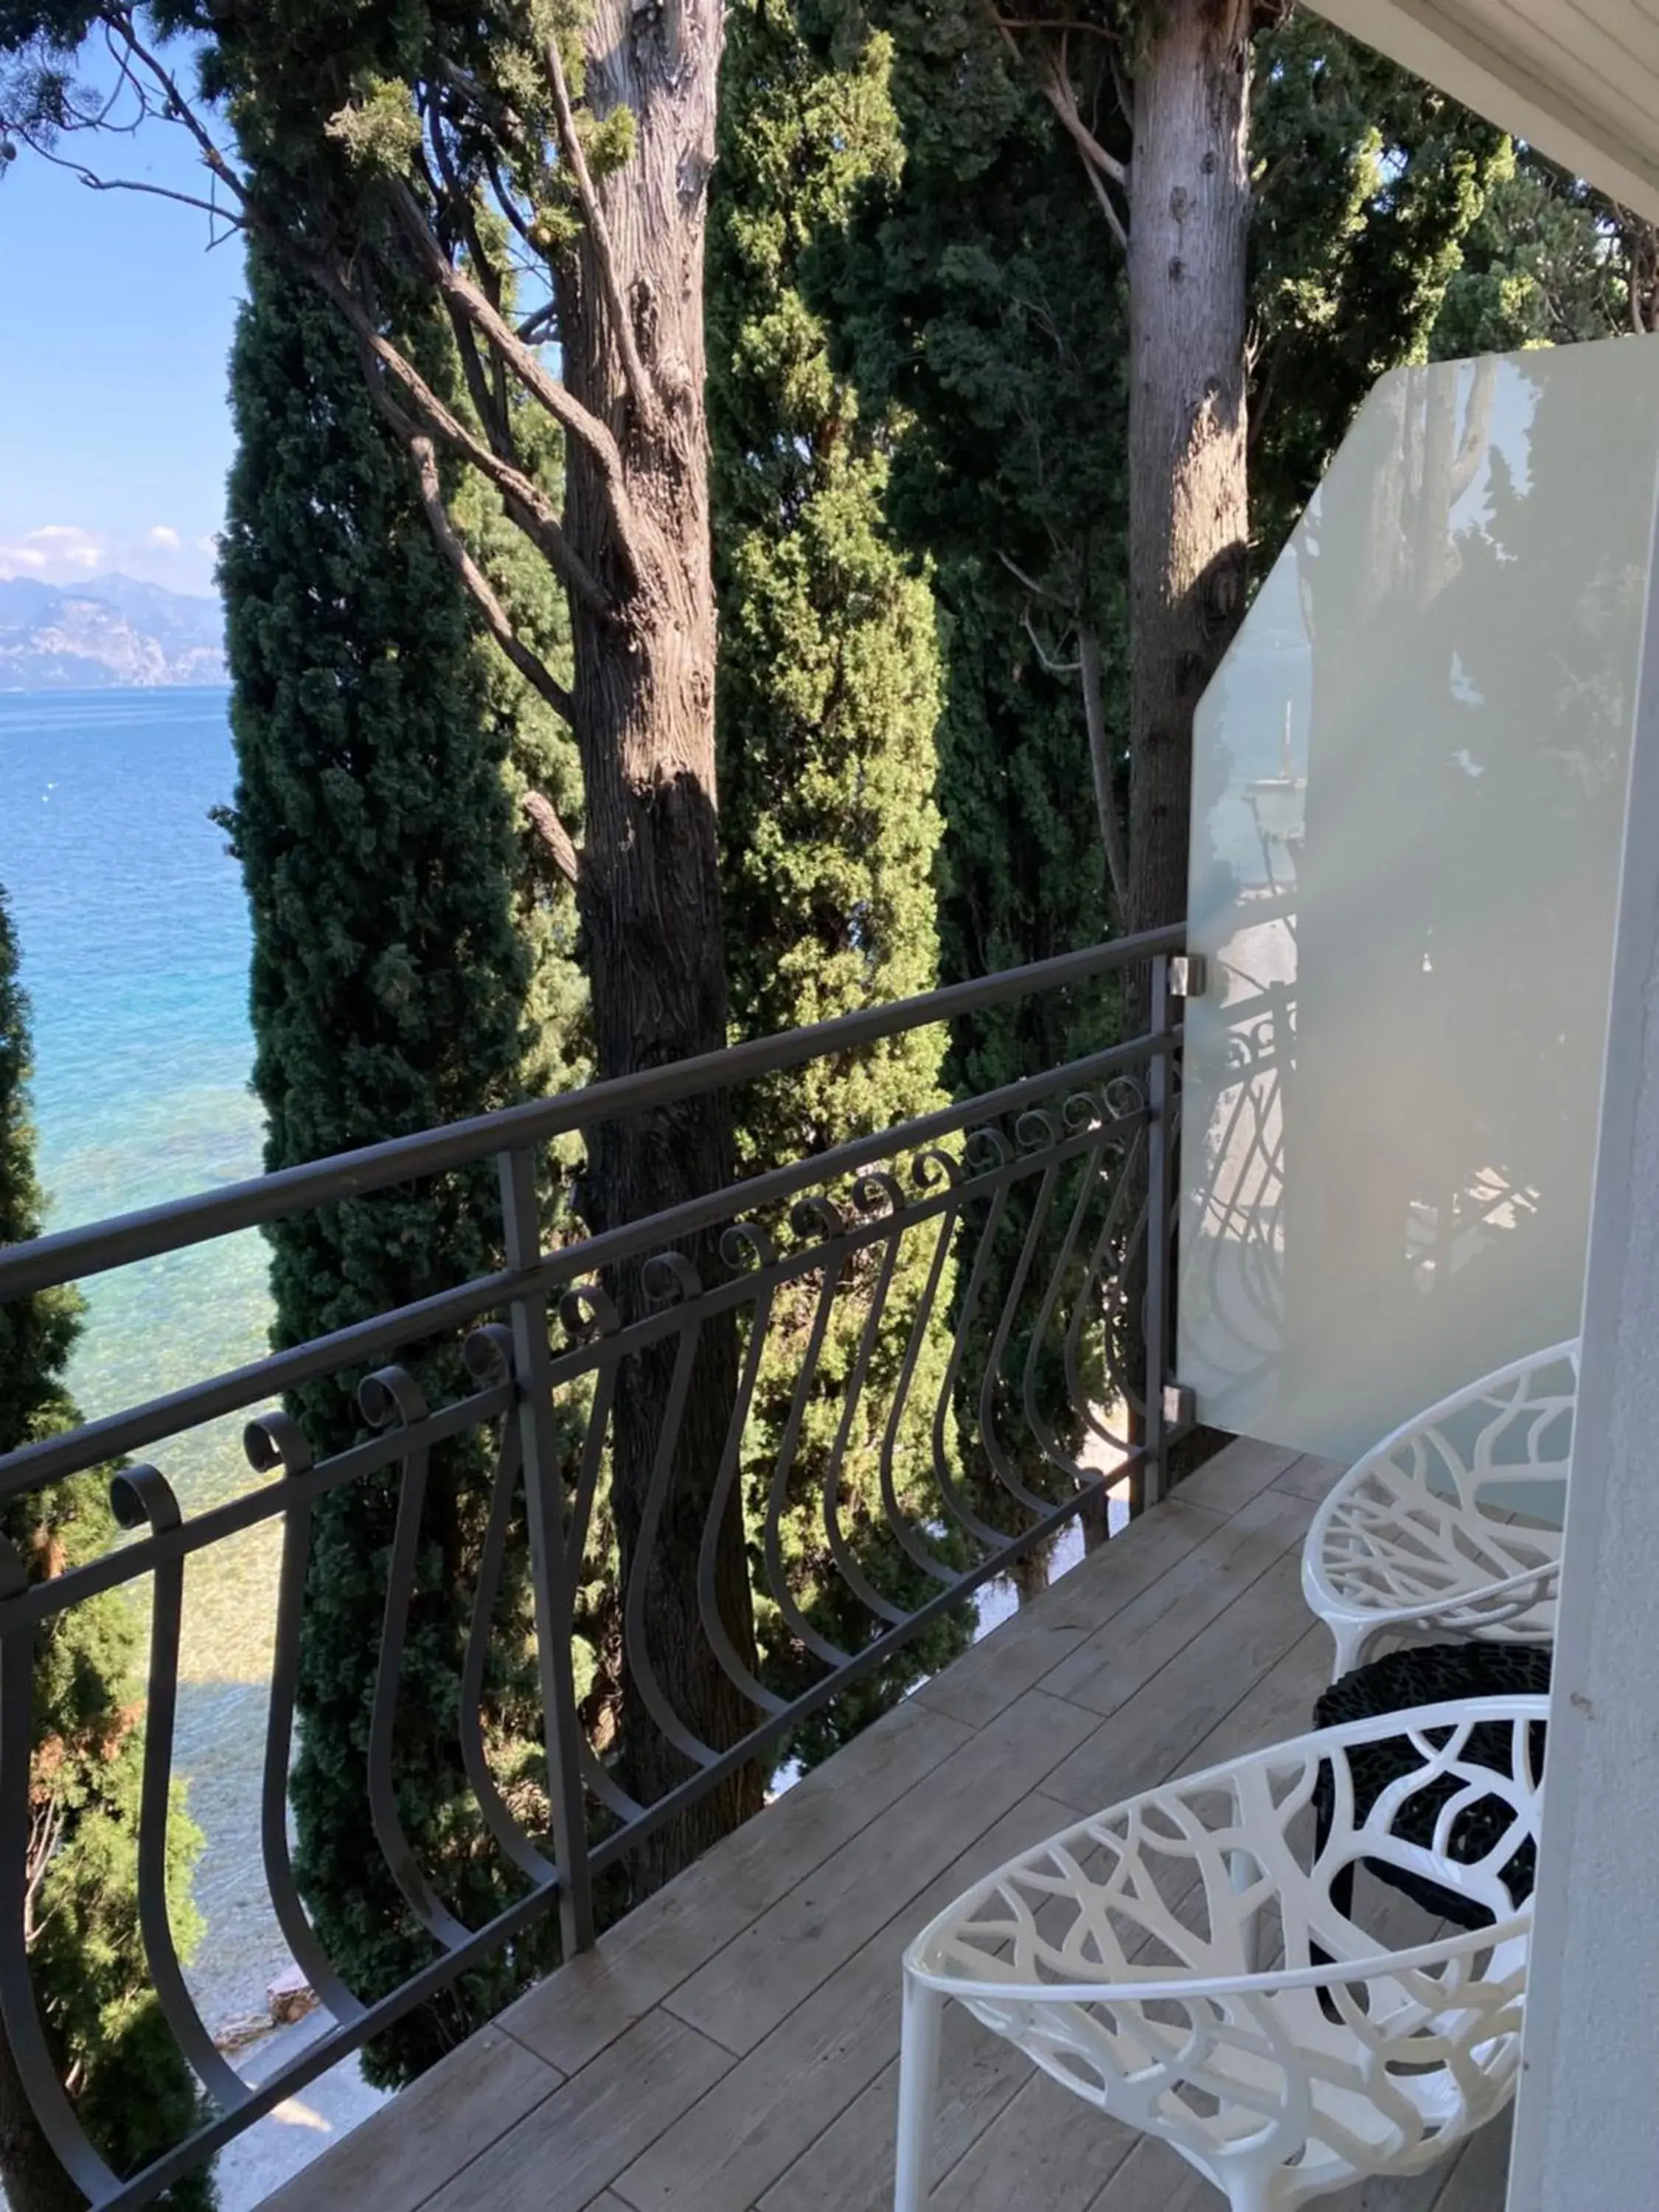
point(1421, 1534)
point(1121, 1957)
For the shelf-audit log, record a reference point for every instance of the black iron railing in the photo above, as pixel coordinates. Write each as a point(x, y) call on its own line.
point(948, 1340)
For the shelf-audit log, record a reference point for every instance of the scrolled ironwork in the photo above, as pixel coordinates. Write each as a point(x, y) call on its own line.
point(931, 1168)
point(487, 1353)
point(923, 1319)
point(670, 1279)
point(877, 1192)
point(141, 1496)
point(748, 1244)
point(392, 1398)
point(589, 1308)
point(1037, 1130)
point(984, 1150)
point(818, 1217)
point(275, 1441)
point(392, 1395)
point(1083, 1110)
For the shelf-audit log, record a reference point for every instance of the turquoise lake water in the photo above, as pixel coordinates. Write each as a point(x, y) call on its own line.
point(134, 937)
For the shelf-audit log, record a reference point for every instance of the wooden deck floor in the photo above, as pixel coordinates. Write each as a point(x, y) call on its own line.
point(731, 2046)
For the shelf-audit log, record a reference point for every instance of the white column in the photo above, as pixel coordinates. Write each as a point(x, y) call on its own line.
point(1587, 2120)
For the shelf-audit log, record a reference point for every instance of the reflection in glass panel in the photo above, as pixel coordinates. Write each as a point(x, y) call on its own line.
point(1408, 790)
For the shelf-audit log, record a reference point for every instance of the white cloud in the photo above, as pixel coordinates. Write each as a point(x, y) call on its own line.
point(58, 553)
point(67, 554)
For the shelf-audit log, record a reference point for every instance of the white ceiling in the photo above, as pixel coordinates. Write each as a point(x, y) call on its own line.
point(1578, 78)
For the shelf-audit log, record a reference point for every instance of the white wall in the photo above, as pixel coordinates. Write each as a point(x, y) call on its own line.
point(1587, 2123)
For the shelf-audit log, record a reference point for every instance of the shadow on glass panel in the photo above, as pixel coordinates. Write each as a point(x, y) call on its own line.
point(1408, 802)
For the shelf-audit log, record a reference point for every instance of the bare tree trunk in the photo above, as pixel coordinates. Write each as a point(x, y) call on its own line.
point(1188, 504)
point(644, 697)
point(1030, 1572)
point(1188, 500)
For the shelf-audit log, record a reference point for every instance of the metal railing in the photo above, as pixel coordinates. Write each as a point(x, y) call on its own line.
point(928, 1328)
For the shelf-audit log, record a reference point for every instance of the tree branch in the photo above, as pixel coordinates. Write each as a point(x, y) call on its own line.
point(647, 404)
point(530, 665)
point(1057, 89)
point(1125, 85)
point(536, 329)
point(1100, 757)
point(120, 20)
point(1099, 165)
point(544, 820)
point(538, 519)
point(95, 183)
point(1037, 591)
point(594, 434)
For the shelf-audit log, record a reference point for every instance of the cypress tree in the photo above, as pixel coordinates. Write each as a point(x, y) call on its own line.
point(827, 705)
point(134, 2094)
point(970, 304)
point(1548, 262)
point(379, 742)
point(1370, 186)
point(973, 299)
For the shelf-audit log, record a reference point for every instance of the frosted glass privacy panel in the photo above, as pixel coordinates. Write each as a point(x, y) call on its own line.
point(1407, 797)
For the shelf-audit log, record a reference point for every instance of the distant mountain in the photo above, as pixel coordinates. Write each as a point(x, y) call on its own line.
point(110, 632)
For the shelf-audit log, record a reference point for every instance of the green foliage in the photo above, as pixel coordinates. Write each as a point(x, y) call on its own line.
point(975, 298)
point(397, 934)
point(829, 700)
point(132, 2090)
point(977, 301)
point(1369, 185)
point(980, 299)
point(1547, 263)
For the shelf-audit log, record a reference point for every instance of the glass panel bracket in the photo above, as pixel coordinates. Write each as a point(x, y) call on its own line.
point(1189, 975)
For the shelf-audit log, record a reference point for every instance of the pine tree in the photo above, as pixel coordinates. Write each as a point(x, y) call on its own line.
point(828, 707)
point(379, 742)
point(133, 2092)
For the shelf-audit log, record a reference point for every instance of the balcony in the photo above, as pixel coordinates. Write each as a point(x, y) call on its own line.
point(947, 1338)
point(733, 2044)
point(751, 1482)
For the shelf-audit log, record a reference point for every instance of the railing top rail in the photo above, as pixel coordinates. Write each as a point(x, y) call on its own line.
point(135, 1428)
point(73, 1254)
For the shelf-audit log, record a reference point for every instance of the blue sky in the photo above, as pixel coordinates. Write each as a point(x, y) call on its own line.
point(114, 430)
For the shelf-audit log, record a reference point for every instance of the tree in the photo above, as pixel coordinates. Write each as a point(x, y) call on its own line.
point(966, 305)
point(1371, 190)
point(1548, 262)
point(828, 702)
point(1155, 101)
point(972, 299)
point(377, 734)
point(592, 140)
point(131, 2089)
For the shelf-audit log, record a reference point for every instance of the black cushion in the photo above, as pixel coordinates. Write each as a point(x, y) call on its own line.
point(1434, 1674)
